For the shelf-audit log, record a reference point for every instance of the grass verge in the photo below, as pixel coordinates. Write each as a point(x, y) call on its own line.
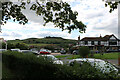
point(97, 56)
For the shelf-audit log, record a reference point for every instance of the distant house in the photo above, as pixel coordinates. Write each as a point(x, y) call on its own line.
point(1, 40)
point(106, 43)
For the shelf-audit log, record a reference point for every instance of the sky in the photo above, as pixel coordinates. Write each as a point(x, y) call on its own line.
point(93, 14)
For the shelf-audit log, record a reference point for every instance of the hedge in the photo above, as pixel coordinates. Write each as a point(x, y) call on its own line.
point(20, 66)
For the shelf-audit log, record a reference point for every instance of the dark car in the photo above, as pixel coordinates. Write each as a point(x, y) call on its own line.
point(63, 52)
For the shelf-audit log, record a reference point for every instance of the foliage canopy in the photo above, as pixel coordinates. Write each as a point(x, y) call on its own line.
point(59, 13)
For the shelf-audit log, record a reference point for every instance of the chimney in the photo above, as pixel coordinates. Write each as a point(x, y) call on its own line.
point(78, 38)
point(100, 36)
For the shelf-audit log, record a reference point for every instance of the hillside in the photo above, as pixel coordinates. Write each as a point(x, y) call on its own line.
point(44, 41)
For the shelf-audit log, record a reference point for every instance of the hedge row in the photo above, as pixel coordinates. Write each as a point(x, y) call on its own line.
point(19, 66)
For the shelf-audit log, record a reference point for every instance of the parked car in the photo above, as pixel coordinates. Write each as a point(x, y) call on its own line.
point(75, 52)
point(26, 51)
point(56, 51)
point(62, 51)
point(53, 58)
point(15, 50)
point(102, 65)
point(45, 51)
point(35, 52)
point(1, 50)
point(29, 52)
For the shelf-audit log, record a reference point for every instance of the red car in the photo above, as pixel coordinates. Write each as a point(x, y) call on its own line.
point(44, 51)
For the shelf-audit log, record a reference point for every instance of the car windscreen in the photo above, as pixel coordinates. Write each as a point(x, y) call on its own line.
point(43, 50)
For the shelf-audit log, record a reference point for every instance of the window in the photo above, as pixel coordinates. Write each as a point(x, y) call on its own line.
point(99, 42)
point(112, 43)
point(86, 42)
point(92, 43)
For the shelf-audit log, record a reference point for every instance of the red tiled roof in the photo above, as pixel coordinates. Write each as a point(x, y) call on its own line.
point(1, 39)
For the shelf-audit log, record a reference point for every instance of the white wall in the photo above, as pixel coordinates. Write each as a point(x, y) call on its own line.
point(82, 43)
point(112, 37)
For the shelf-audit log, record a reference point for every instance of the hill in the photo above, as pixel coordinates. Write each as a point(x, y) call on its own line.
point(39, 42)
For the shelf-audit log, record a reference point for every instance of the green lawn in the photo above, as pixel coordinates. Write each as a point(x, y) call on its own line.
point(61, 56)
point(74, 56)
point(97, 56)
point(0, 69)
point(38, 44)
point(107, 56)
point(68, 56)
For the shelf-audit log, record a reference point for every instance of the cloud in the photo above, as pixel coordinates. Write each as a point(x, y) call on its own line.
point(10, 35)
point(97, 16)
point(53, 34)
point(92, 13)
point(17, 31)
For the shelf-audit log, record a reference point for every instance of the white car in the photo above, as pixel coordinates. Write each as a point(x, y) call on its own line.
point(102, 65)
point(55, 60)
point(1, 50)
point(15, 50)
point(29, 51)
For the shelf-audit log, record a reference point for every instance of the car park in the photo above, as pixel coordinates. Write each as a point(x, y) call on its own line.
point(53, 58)
point(99, 64)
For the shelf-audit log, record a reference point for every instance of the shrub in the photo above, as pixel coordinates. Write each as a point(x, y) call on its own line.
point(22, 46)
point(84, 51)
point(27, 66)
point(19, 66)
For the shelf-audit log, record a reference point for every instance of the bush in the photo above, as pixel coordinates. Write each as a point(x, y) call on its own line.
point(19, 66)
point(27, 66)
point(22, 46)
point(84, 51)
